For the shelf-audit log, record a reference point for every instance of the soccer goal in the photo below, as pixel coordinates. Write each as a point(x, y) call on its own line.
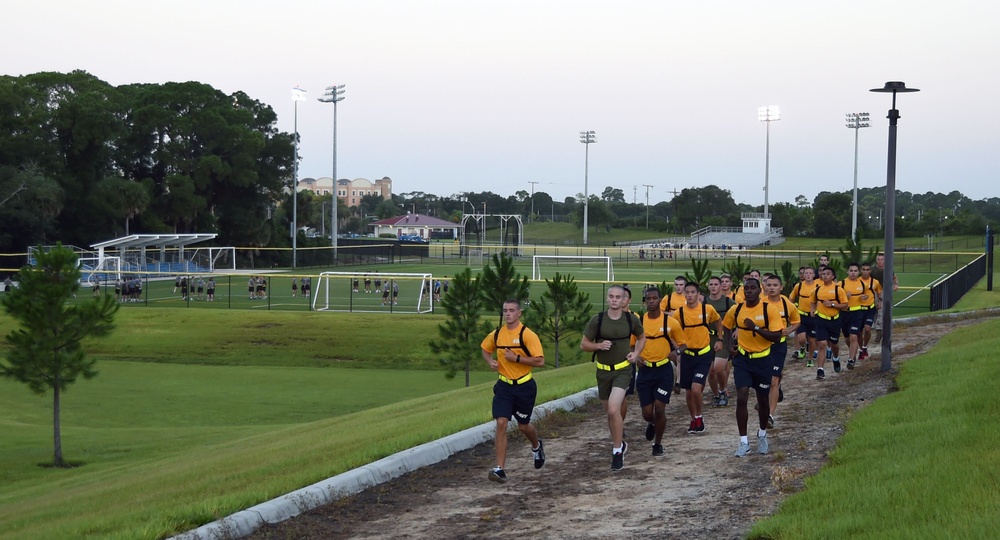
point(95, 270)
point(375, 292)
point(543, 266)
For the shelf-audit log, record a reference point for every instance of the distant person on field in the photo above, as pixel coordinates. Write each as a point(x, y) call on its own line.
point(512, 351)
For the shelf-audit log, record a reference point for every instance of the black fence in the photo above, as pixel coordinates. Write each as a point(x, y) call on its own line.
point(947, 293)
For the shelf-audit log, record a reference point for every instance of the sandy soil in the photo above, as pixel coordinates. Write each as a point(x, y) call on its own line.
point(698, 490)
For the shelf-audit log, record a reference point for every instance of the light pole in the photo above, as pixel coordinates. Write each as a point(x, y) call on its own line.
point(298, 95)
point(334, 94)
point(532, 200)
point(647, 186)
point(322, 218)
point(767, 115)
point(890, 221)
point(587, 138)
point(856, 121)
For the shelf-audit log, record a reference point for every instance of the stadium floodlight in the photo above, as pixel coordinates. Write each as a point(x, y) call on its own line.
point(767, 114)
point(890, 219)
point(856, 121)
point(587, 138)
point(333, 95)
point(298, 94)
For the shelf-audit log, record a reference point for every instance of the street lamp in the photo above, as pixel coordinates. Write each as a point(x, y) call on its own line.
point(767, 115)
point(587, 138)
point(298, 95)
point(333, 94)
point(856, 121)
point(890, 221)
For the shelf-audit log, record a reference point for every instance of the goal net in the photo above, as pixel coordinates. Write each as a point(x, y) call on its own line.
point(94, 270)
point(581, 266)
point(375, 292)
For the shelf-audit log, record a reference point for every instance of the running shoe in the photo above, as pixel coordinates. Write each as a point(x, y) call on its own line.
point(836, 366)
point(762, 445)
point(863, 355)
point(829, 353)
point(850, 364)
point(618, 458)
point(715, 400)
point(539, 455)
point(658, 450)
point(799, 355)
point(770, 422)
point(820, 374)
point(693, 428)
point(810, 363)
point(699, 425)
point(677, 388)
point(650, 431)
point(723, 399)
point(781, 394)
point(497, 475)
point(743, 449)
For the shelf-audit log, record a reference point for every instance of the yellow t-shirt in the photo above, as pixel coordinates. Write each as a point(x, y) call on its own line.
point(874, 288)
point(695, 329)
point(657, 348)
point(510, 339)
point(748, 340)
point(833, 292)
point(854, 288)
point(672, 302)
point(789, 313)
point(802, 295)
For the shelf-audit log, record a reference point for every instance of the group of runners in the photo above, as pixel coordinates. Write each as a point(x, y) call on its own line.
point(687, 340)
point(195, 288)
point(305, 283)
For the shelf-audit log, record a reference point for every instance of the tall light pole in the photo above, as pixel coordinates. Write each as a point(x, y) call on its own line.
point(587, 138)
point(856, 121)
point(532, 199)
point(334, 94)
point(647, 186)
point(767, 114)
point(890, 221)
point(298, 95)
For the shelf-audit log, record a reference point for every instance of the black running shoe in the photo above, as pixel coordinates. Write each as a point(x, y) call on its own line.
point(539, 455)
point(650, 432)
point(836, 366)
point(497, 475)
point(657, 450)
point(618, 459)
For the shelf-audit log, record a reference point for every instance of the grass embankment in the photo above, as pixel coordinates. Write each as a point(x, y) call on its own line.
point(210, 412)
point(919, 463)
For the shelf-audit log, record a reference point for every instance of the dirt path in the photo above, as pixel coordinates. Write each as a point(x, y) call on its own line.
point(699, 489)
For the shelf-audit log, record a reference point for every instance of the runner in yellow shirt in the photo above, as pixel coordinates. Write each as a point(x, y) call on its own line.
point(655, 381)
point(759, 326)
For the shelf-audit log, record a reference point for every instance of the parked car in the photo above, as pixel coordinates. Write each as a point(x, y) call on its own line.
point(412, 238)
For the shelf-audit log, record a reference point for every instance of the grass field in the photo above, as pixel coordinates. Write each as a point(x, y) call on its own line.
point(919, 463)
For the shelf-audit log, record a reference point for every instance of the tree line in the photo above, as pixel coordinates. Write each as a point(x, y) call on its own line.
point(82, 161)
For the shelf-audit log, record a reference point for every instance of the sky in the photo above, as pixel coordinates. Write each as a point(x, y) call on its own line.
point(450, 96)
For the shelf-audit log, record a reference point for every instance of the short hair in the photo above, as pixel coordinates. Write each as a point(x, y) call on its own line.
point(748, 280)
point(849, 265)
point(512, 301)
point(692, 284)
point(714, 278)
point(772, 276)
point(726, 276)
point(654, 288)
point(682, 278)
point(627, 290)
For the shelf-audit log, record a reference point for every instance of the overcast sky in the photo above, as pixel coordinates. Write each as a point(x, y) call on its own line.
point(451, 96)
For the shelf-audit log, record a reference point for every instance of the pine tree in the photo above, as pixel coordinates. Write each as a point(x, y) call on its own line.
point(561, 311)
point(45, 350)
point(462, 332)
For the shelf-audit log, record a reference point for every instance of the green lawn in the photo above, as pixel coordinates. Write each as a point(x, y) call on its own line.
point(919, 463)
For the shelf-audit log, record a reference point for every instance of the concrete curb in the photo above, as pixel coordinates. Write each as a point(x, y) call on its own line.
point(287, 506)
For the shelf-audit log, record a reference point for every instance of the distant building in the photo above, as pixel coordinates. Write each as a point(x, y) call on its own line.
point(426, 227)
point(349, 191)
